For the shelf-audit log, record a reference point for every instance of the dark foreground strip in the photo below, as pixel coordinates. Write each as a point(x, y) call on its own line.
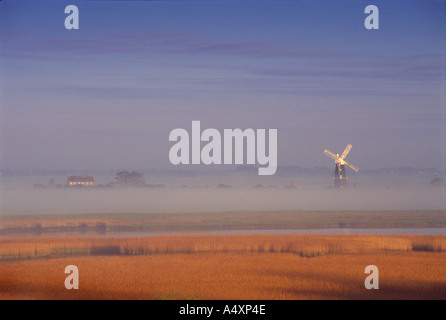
point(235, 309)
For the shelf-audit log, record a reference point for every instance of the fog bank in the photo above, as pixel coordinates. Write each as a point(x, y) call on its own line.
point(66, 200)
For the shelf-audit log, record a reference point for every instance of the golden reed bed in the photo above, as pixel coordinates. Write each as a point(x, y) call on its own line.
point(259, 266)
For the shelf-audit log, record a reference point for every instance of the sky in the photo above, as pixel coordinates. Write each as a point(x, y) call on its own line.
point(107, 95)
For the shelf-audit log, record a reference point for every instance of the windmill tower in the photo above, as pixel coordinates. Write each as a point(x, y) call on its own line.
point(340, 177)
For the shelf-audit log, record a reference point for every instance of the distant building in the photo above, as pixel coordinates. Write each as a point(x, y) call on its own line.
point(84, 180)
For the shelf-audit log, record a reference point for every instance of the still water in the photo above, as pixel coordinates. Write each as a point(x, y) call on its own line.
point(386, 231)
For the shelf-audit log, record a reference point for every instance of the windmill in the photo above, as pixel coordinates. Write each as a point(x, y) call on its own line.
point(340, 177)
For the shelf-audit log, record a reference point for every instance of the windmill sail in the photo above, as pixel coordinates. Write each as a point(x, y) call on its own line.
point(352, 166)
point(330, 154)
point(346, 151)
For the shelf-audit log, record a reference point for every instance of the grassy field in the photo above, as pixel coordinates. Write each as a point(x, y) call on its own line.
point(218, 221)
point(237, 266)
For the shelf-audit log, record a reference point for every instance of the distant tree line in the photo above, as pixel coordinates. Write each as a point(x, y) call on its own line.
point(130, 179)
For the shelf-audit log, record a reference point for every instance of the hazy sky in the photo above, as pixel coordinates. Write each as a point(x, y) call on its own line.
point(108, 95)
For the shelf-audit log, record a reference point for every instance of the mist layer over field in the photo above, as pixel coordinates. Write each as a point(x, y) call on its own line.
point(177, 199)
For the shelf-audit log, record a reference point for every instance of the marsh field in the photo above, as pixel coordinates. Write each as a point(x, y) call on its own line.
point(181, 256)
point(119, 224)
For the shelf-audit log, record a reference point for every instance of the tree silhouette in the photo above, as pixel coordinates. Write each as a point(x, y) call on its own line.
point(130, 179)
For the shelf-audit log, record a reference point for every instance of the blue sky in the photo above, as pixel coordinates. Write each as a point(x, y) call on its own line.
point(108, 95)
